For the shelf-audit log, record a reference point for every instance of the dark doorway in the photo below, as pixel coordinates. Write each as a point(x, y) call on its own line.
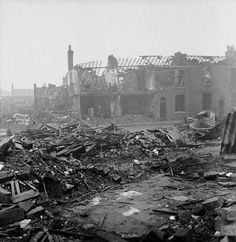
point(221, 107)
point(206, 101)
point(163, 108)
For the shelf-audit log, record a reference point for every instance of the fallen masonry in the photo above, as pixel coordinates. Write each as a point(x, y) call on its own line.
point(75, 182)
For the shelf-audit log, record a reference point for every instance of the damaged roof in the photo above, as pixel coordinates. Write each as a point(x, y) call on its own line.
point(144, 61)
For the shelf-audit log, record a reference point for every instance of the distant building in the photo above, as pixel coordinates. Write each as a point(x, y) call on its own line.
point(22, 92)
point(166, 88)
point(22, 97)
point(16, 99)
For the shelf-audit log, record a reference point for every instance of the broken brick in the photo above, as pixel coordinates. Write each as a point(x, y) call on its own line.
point(8, 216)
point(36, 211)
point(183, 235)
point(5, 196)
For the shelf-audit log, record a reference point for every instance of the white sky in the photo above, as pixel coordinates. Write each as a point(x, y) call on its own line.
point(35, 34)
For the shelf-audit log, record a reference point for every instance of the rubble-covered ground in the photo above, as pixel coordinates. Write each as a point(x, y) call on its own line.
point(69, 181)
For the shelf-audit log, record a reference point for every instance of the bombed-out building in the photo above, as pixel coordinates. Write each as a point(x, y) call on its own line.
point(165, 88)
point(162, 88)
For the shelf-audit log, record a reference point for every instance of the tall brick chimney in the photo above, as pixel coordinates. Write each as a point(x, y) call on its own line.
point(70, 58)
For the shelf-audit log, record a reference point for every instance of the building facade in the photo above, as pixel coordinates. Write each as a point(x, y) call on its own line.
point(165, 88)
point(16, 100)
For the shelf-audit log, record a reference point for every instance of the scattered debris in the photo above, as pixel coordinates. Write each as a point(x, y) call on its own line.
point(53, 174)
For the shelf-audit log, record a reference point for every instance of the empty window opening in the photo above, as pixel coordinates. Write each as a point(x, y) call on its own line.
point(221, 107)
point(163, 108)
point(206, 101)
point(180, 103)
point(179, 78)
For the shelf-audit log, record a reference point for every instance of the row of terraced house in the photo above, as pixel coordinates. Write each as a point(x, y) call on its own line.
point(164, 88)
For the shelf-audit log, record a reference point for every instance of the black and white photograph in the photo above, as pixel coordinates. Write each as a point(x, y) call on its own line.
point(118, 120)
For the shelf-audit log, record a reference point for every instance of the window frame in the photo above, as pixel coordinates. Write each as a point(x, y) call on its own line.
point(182, 107)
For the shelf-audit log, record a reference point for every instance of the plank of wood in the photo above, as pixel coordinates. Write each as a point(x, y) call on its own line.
point(36, 211)
point(24, 196)
point(164, 210)
point(17, 186)
point(12, 188)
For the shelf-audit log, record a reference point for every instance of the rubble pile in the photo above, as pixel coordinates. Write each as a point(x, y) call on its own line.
point(80, 142)
point(57, 164)
point(63, 164)
point(210, 218)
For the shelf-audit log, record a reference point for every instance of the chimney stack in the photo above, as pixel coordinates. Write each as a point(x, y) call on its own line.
point(70, 58)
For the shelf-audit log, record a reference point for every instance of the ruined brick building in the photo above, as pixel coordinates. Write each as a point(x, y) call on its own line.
point(164, 88)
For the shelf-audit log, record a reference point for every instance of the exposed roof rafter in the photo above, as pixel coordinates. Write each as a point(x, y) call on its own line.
point(150, 60)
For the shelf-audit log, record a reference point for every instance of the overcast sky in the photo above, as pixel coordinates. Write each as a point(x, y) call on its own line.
point(35, 34)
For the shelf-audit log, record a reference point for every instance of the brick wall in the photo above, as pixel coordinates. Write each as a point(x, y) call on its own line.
point(193, 90)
